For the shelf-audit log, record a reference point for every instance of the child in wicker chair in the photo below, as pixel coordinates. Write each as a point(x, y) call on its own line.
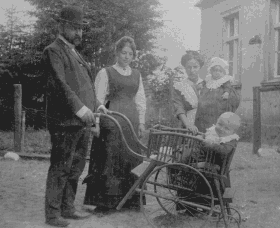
point(221, 139)
point(215, 154)
point(218, 149)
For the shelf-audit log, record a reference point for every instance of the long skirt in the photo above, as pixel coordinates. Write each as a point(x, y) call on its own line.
point(111, 163)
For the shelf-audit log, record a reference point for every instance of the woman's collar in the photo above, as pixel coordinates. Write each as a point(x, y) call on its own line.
point(117, 65)
point(185, 78)
point(123, 71)
point(214, 84)
point(184, 85)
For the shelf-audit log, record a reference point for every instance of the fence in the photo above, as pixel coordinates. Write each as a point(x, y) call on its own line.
point(257, 120)
point(19, 127)
point(20, 116)
point(15, 118)
point(24, 117)
point(159, 115)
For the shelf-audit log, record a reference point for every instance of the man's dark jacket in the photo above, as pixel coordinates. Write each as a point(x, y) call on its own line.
point(69, 85)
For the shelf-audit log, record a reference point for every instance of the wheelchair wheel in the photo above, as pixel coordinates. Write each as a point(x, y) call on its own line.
point(234, 213)
point(233, 218)
point(173, 199)
point(231, 222)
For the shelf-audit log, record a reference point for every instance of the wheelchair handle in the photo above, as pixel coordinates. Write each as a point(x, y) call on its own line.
point(133, 153)
point(142, 146)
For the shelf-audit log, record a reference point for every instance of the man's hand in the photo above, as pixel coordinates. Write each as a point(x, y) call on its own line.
point(103, 109)
point(88, 117)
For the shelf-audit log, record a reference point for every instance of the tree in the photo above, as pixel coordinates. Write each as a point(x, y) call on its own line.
point(15, 63)
point(21, 47)
point(108, 20)
point(13, 39)
point(161, 82)
point(148, 62)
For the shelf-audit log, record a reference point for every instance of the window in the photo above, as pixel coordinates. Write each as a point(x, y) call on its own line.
point(231, 42)
point(275, 13)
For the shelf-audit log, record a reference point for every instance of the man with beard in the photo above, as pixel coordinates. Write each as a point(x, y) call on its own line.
point(70, 103)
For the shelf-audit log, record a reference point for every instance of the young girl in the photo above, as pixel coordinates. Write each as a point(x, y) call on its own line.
point(217, 95)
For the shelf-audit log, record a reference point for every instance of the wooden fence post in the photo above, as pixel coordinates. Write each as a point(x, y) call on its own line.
point(17, 114)
point(159, 115)
point(256, 119)
point(22, 131)
point(171, 88)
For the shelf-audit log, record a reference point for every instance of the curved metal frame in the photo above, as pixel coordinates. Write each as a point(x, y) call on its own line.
point(131, 128)
point(122, 135)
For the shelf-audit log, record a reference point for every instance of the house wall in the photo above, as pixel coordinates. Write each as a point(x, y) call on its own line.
point(253, 20)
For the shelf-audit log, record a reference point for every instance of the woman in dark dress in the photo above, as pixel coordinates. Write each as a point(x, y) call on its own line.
point(110, 162)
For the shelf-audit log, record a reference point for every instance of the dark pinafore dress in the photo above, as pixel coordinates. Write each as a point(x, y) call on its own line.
point(110, 162)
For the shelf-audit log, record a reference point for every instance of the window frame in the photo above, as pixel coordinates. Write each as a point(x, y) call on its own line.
point(275, 14)
point(228, 38)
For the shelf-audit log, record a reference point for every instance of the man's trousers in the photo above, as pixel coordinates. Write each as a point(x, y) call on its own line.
point(67, 162)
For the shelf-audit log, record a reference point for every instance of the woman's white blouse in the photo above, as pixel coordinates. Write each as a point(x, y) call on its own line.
point(102, 90)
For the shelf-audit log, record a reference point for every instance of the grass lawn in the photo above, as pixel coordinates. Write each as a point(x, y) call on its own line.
point(34, 141)
point(255, 180)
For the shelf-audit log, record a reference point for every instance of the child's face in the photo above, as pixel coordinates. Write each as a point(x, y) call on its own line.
point(217, 72)
point(223, 128)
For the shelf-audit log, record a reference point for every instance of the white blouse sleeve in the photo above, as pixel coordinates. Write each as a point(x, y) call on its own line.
point(140, 100)
point(101, 86)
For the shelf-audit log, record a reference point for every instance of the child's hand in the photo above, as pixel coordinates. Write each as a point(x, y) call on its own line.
point(212, 140)
point(225, 95)
point(208, 142)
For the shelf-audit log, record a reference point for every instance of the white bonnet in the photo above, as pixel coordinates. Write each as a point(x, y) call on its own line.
point(216, 61)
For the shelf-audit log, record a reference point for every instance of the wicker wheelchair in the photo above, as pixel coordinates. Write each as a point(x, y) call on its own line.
point(181, 188)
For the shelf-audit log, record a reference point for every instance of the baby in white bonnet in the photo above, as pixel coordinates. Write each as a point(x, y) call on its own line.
point(218, 75)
